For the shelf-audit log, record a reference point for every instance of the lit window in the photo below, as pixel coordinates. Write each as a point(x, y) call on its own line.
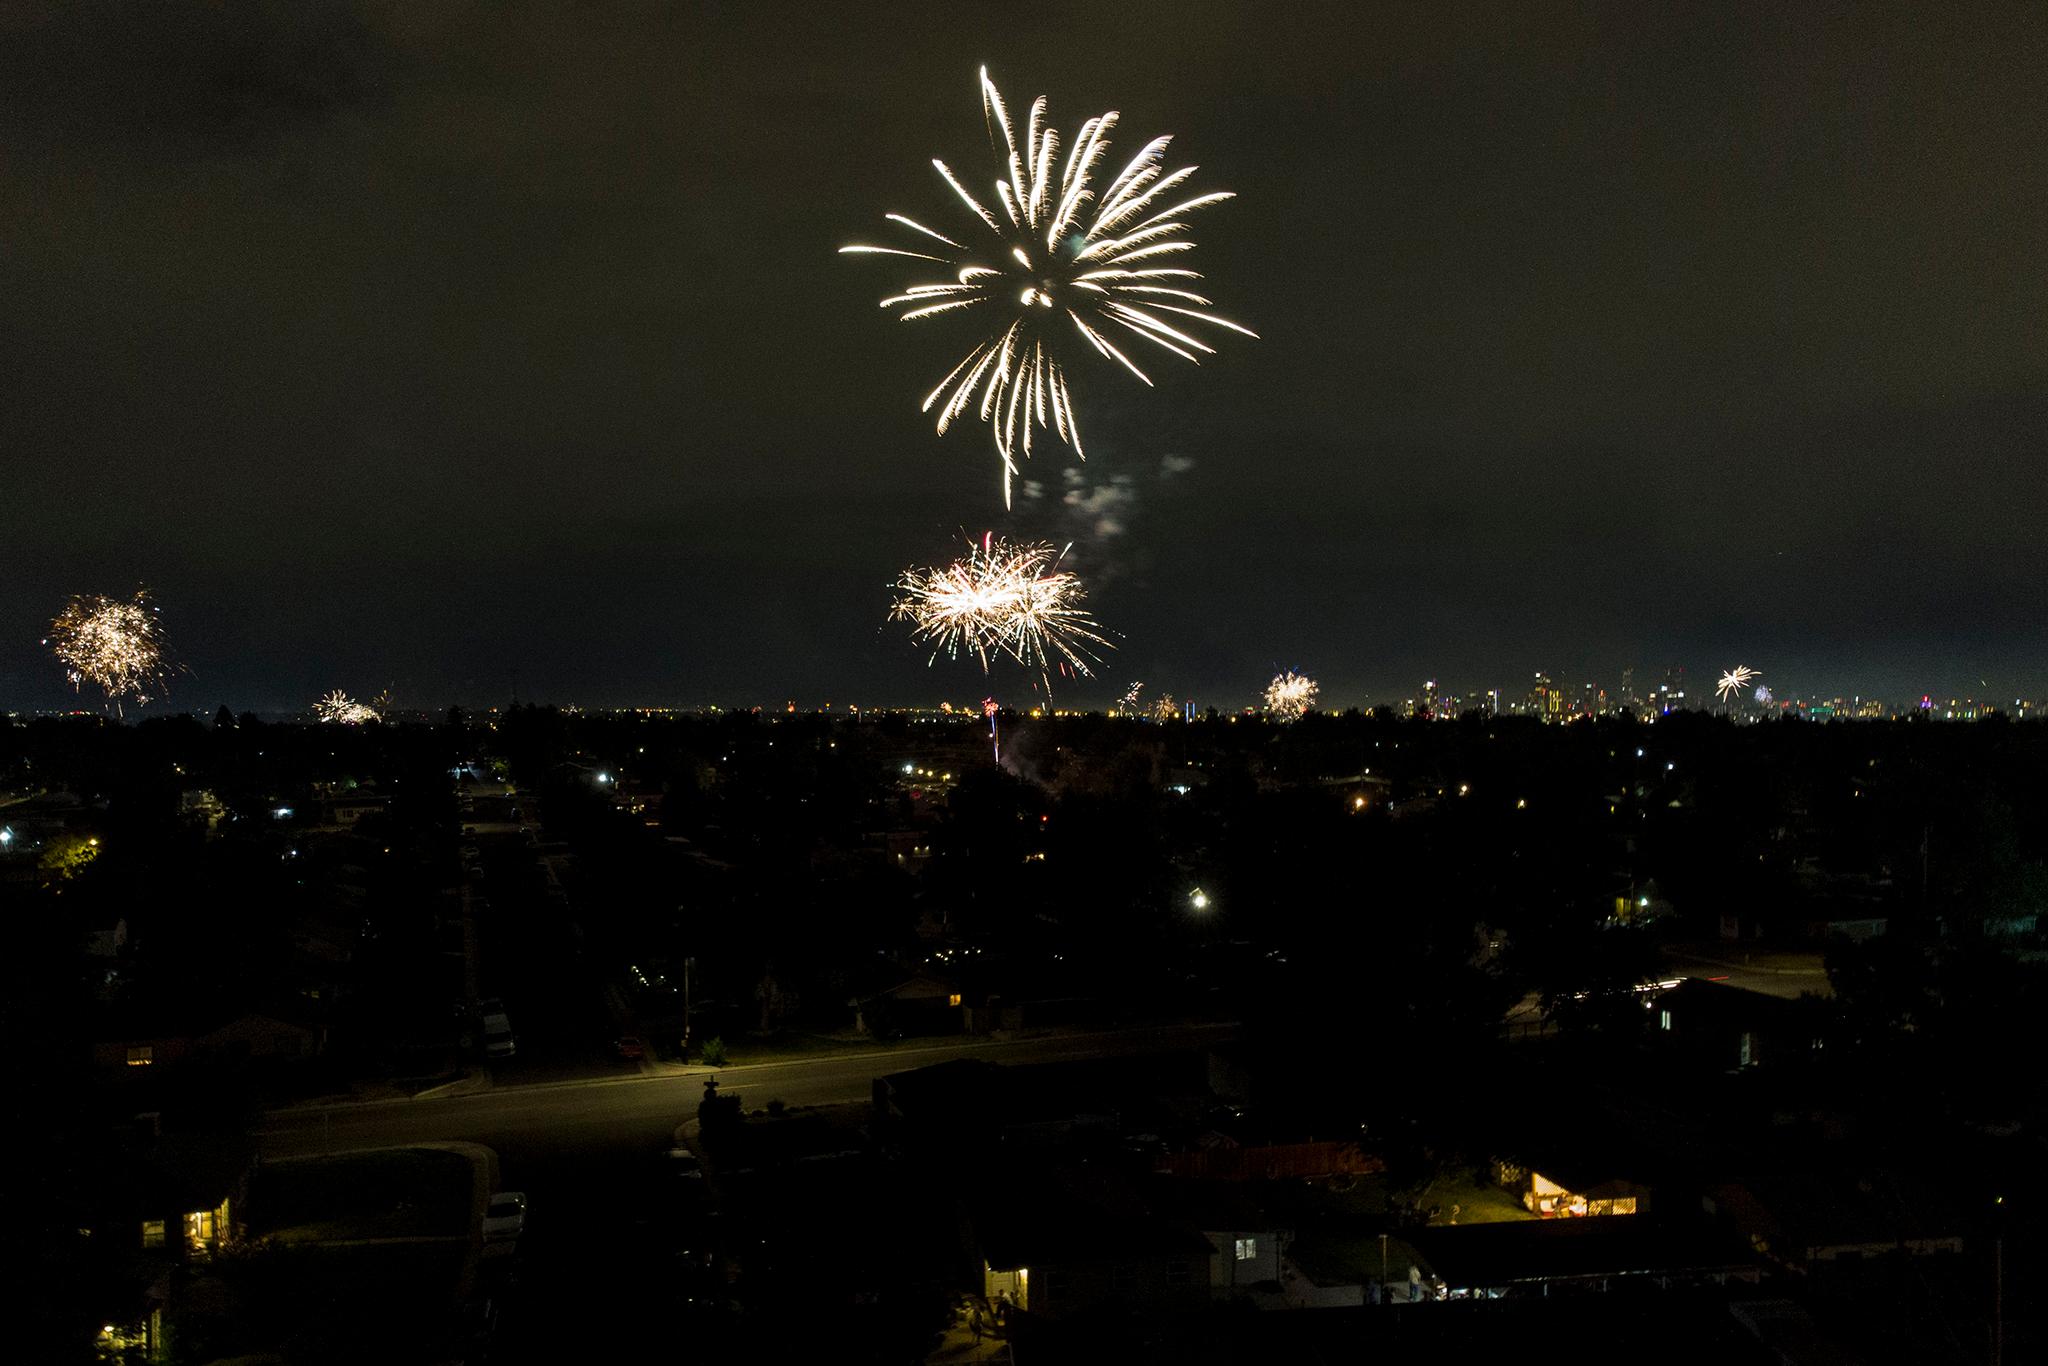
point(954, 999)
point(141, 1055)
point(1664, 1019)
point(152, 1233)
point(1247, 1248)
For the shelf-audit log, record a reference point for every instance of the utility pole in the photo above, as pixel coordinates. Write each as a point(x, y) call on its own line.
point(1998, 1286)
point(688, 965)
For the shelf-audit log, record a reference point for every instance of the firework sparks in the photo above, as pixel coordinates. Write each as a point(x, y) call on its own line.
point(112, 643)
point(1734, 681)
point(1068, 264)
point(1002, 599)
point(1762, 693)
point(1127, 705)
point(338, 707)
point(1291, 696)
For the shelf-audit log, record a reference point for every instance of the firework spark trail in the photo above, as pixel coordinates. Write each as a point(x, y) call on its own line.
point(338, 707)
point(1127, 705)
point(1063, 252)
point(1735, 680)
point(112, 643)
point(1002, 599)
point(1291, 696)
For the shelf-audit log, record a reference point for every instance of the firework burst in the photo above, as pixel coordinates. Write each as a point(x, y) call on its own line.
point(113, 643)
point(1127, 705)
point(1291, 696)
point(341, 709)
point(1066, 263)
point(1734, 681)
point(1002, 599)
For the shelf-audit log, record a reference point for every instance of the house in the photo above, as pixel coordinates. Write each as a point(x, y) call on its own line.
point(1727, 1028)
point(1573, 1186)
point(1494, 1261)
point(144, 1041)
point(1830, 1217)
point(1248, 1244)
point(351, 809)
point(1064, 1242)
point(172, 1198)
point(965, 1111)
point(919, 1003)
point(1231, 1161)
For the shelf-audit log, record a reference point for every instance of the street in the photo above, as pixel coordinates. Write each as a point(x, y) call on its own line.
point(599, 1275)
point(603, 1112)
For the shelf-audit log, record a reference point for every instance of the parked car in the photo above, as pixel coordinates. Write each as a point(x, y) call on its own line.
point(630, 1046)
point(505, 1216)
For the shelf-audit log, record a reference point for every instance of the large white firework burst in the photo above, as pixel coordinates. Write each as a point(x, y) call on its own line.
point(114, 643)
point(338, 707)
point(1291, 696)
point(1066, 263)
point(1734, 681)
point(1002, 599)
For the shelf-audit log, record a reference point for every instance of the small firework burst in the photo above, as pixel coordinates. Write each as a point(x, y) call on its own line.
point(339, 708)
point(115, 644)
point(1291, 696)
point(1002, 599)
point(1734, 681)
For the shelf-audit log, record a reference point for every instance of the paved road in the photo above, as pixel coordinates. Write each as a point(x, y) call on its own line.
point(601, 1113)
point(597, 1275)
point(1784, 973)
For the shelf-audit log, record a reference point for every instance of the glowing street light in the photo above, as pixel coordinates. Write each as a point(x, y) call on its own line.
point(1200, 900)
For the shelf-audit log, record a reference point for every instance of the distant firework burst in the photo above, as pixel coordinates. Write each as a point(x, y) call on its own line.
point(1734, 681)
point(1002, 599)
point(1127, 705)
point(113, 643)
point(1067, 263)
point(341, 709)
point(1291, 696)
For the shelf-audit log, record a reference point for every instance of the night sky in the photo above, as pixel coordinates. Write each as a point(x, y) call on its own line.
point(484, 349)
